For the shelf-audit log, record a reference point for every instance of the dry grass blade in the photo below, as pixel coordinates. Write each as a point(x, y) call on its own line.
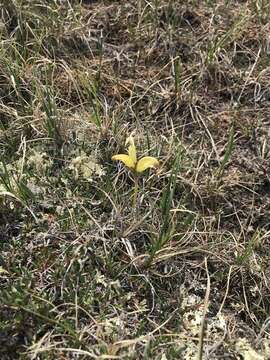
point(205, 309)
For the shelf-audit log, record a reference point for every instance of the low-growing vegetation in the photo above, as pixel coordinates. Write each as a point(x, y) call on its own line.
point(168, 259)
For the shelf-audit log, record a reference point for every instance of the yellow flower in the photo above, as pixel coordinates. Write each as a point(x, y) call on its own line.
point(130, 159)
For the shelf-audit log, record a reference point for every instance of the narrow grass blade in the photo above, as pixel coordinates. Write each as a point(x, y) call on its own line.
point(227, 155)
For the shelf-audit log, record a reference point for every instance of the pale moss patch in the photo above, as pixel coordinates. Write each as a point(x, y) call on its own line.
point(39, 161)
point(86, 167)
point(193, 307)
point(244, 348)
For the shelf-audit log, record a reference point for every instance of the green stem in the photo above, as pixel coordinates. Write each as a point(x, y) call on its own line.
point(135, 192)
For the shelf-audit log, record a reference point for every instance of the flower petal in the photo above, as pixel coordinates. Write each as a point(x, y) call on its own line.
point(132, 149)
point(146, 163)
point(127, 160)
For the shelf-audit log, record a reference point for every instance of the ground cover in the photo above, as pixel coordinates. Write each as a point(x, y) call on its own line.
point(180, 270)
